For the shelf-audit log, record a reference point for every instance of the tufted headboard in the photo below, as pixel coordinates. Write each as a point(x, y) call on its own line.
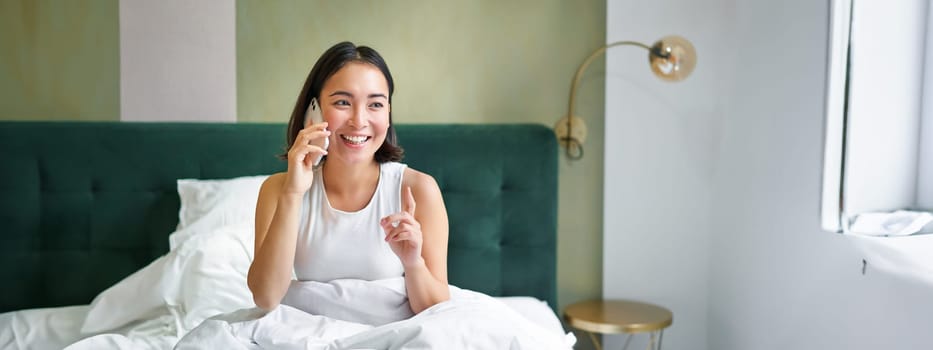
point(84, 204)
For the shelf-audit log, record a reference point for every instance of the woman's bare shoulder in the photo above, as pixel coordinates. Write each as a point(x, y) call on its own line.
point(272, 185)
point(418, 180)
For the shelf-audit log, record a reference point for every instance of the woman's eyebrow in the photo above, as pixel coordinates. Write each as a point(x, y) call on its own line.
point(344, 93)
point(347, 94)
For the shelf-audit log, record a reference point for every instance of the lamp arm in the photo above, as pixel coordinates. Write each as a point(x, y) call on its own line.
point(570, 140)
point(586, 63)
point(672, 58)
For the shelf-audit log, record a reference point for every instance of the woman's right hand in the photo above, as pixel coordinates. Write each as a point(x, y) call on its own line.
point(301, 158)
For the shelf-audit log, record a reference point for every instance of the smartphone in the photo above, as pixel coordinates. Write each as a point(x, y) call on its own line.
point(313, 115)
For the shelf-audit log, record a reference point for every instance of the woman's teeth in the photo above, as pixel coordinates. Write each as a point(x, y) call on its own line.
point(355, 139)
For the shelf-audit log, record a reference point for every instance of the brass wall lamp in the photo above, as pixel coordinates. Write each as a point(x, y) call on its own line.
point(672, 59)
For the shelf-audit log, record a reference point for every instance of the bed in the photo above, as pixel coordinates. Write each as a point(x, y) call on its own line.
point(86, 204)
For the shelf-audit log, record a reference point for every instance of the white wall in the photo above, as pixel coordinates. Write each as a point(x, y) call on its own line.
point(776, 280)
point(712, 188)
point(659, 139)
point(178, 60)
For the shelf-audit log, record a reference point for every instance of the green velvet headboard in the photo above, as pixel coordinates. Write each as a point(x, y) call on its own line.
point(84, 204)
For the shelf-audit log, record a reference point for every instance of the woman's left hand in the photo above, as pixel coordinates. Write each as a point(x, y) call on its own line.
point(403, 232)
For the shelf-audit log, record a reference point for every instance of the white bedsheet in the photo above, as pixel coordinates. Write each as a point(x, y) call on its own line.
point(206, 276)
point(48, 328)
point(56, 328)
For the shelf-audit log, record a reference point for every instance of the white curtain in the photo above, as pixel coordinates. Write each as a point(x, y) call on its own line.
point(925, 159)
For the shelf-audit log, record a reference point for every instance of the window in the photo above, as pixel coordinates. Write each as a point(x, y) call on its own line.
point(878, 154)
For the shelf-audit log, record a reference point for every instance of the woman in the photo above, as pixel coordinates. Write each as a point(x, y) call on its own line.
point(355, 215)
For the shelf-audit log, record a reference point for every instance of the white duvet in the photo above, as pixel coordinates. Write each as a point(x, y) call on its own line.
point(469, 320)
point(195, 297)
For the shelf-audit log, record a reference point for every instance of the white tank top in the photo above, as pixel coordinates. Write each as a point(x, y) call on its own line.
point(335, 244)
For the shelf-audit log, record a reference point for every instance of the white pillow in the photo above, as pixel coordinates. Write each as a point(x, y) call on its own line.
point(203, 277)
point(136, 297)
point(209, 276)
point(206, 205)
point(214, 203)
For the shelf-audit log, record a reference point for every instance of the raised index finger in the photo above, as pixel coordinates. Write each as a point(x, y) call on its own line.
point(408, 202)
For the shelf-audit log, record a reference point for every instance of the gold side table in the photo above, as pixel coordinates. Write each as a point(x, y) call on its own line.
point(619, 316)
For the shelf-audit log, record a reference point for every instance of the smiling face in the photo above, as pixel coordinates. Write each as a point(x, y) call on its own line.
point(355, 104)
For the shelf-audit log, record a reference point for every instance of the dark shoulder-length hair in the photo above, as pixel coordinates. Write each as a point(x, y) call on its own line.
point(329, 63)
